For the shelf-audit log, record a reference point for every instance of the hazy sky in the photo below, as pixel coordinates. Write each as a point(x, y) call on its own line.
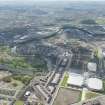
point(44, 0)
point(30, 1)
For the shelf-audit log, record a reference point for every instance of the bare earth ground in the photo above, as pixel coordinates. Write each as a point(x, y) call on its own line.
point(67, 97)
point(4, 74)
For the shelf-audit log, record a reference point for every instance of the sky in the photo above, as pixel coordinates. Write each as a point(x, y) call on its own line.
point(44, 0)
point(30, 1)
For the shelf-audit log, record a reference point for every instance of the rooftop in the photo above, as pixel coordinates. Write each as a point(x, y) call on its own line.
point(92, 66)
point(75, 79)
point(56, 78)
point(95, 84)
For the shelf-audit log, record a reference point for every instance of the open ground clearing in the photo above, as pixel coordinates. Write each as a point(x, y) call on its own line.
point(67, 97)
point(89, 95)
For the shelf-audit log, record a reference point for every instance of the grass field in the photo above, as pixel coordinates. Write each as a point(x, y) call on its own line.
point(67, 96)
point(101, 21)
point(19, 103)
point(89, 95)
point(64, 82)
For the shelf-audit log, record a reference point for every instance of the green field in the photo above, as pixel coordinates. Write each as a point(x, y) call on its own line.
point(19, 103)
point(64, 82)
point(101, 21)
point(89, 95)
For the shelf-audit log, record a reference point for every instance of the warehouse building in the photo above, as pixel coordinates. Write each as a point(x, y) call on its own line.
point(95, 84)
point(92, 67)
point(75, 80)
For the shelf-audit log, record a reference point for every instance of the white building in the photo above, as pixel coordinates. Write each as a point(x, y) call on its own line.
point(95, 84)
point(92, 66)
point(27, 93)
point(56, 78)
point(75, 80)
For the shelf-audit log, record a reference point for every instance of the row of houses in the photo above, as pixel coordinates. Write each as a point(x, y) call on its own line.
point(45, 88)
point(43, 93)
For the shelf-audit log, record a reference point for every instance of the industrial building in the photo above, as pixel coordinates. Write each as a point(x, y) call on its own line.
point(92, 66)
point(95, 84)
point(75, 80)
point(78, 80)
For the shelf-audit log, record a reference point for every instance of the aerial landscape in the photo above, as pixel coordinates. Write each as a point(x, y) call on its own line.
point(52, 52)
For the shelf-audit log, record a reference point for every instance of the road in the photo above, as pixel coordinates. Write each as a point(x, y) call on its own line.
point(63, 70)
point(57, 90)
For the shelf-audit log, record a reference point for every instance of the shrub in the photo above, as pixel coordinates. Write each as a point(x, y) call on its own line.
point(7, 79)
point(14, 84)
